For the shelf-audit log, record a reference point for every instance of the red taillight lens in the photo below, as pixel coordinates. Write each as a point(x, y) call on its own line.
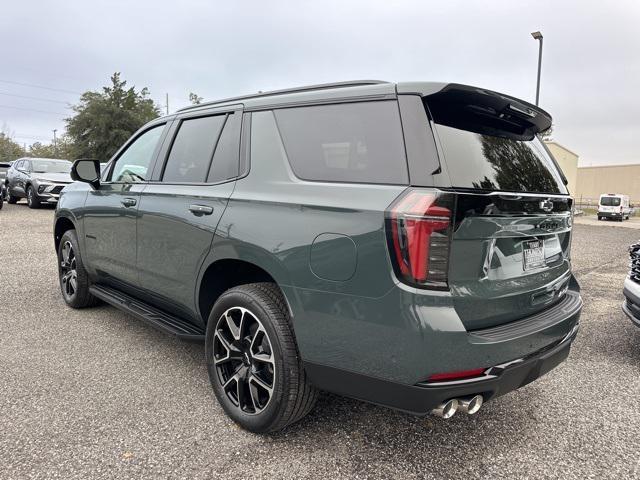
point(418, 229)
point(450, 376)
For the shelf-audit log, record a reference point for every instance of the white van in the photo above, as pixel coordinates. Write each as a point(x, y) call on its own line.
point(614, 205)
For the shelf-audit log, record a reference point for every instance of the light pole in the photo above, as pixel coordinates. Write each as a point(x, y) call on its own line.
point(55, 144)
point(538, 36)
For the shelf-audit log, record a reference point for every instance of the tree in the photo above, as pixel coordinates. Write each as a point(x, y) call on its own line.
point(9, 150)
point(103, 121)
point(195, 99)
point(64, 148)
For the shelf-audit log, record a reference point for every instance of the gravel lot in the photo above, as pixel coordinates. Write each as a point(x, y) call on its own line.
point(98, 394)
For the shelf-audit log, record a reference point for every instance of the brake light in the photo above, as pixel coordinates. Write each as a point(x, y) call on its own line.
point(418, 232)
point(462, 375)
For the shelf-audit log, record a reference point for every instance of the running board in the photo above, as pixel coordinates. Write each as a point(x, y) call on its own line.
point(155, 317)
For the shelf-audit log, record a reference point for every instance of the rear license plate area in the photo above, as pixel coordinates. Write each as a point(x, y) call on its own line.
point(533, 254)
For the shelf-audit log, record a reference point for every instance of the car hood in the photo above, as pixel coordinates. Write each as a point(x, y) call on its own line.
point(54, 177)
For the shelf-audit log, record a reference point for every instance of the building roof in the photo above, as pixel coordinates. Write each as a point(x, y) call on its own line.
point(553, 142)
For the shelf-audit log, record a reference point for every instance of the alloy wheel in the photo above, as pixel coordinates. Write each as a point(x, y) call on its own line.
point(244, 361)
point(30, 196)
point(68, 272)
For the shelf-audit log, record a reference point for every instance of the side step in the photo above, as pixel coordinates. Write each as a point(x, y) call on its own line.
point(155, 317)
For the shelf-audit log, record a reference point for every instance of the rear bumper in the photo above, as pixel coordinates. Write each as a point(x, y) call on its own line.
point(610, 214)
point(511, 355)
point(631, 305)
point(422, 398)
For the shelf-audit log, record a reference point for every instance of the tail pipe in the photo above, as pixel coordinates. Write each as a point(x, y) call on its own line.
point(468, 405)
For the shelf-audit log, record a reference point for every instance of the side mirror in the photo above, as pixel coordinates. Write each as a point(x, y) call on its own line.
point(86, 170)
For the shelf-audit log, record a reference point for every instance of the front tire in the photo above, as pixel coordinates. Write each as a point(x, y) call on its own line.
point(12, 199)
point(32, 198)
point(253, 361)
point(74, 280)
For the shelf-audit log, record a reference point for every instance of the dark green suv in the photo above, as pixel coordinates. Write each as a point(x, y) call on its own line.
point(405, 244)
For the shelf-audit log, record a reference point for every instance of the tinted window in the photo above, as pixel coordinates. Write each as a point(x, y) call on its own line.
point(489, 162)
point(133, 165)
point(610, 201)
point(192, 149)
point(356, 142)
point(225, 160)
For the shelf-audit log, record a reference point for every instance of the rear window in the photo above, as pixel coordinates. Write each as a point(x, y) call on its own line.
point(610, 201)
point(490, 162)
point(354, 142)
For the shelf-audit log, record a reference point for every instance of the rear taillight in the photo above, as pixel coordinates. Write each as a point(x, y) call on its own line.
point(418, 233)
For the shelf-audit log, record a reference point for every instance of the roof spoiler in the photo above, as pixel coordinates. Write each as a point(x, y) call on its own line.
point(487, 112)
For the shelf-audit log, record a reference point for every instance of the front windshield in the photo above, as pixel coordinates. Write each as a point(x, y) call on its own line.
point(50, 166)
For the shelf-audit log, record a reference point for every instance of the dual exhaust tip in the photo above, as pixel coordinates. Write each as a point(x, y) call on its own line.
point(468, 405)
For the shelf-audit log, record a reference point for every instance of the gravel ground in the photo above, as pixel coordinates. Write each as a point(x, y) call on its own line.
point(98, 394)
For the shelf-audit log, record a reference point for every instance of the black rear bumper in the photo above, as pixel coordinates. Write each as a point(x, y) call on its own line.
point(421, 399)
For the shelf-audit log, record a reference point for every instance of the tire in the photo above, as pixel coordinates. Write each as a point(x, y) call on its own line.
point(257, 359)
point(73, 278)
point(12, 199)
point(1, 201)
point(32, 198)
point(599, 218)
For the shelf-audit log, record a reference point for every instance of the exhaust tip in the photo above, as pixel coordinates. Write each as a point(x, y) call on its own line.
point(470, 405)
point(446, 409)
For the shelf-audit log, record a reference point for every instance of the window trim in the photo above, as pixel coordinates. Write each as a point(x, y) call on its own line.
point(236, 109)
point(386, 98)
point(114, 160)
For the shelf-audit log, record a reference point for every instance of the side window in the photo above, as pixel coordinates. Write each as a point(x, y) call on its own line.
point(352, 142)
point(26, 165)
point(226, 159)
point(132, 165)
point(19, 165)
point(192, 150)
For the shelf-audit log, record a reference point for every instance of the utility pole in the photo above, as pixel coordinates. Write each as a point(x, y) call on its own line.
point(538, 36)
point(167, 104)
point(55, 142)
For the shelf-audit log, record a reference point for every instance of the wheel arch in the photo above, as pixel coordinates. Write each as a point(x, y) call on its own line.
point(225, 273)
point(62, 225)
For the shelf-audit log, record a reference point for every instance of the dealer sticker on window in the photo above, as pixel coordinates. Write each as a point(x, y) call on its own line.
point(533, 254)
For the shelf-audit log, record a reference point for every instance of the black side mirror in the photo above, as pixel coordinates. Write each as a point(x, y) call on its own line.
point(86, 170)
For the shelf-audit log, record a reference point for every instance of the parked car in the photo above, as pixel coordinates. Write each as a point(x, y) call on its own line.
point(615, 206)
point(4, 166)
point(39, 180)
point(404, 244)
point(631, 291)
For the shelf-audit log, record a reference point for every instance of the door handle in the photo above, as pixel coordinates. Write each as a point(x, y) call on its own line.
point(201, 209)
point(128, 202)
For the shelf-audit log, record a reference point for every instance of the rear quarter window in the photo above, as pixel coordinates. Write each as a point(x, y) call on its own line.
point(352, 142)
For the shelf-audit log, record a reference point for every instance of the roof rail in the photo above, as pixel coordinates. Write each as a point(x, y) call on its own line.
point(307, 88)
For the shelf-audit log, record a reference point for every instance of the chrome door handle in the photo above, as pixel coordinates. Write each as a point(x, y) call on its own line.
point(128, 202)
point(201, 209)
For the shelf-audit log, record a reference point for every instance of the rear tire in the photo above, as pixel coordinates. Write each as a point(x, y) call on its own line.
point(253, 360)
point(32, 198)
point(74, 280)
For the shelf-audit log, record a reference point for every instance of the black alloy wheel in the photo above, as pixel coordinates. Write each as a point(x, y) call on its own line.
point(68, 271)
point(243, 358)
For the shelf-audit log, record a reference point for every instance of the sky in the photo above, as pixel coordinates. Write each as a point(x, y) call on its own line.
point(590, 67)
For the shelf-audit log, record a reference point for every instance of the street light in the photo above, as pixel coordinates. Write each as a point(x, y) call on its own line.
point(538, 36)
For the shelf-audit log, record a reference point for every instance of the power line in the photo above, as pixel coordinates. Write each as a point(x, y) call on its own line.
point(40, 86)
point(35, 98)
point(34, 110)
